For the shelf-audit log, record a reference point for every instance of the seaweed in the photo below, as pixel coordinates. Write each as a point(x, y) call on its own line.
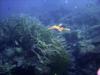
point(25, 42)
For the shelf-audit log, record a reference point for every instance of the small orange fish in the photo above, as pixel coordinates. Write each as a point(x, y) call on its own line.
point(58, 28)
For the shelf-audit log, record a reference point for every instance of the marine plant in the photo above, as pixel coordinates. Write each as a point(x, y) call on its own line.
point(25, 42)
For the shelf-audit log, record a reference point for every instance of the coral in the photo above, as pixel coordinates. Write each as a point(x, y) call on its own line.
point(24, 42)
point(83, 47)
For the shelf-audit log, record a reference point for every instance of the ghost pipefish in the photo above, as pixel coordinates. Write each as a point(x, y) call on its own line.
point(59, 28)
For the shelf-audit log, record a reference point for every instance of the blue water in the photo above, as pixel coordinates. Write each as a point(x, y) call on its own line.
point(17, 41)
point(51, 11)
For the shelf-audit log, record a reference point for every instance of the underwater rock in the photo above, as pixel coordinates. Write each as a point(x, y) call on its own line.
point(88, 63)
point(93, 33)
point(84, 53)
